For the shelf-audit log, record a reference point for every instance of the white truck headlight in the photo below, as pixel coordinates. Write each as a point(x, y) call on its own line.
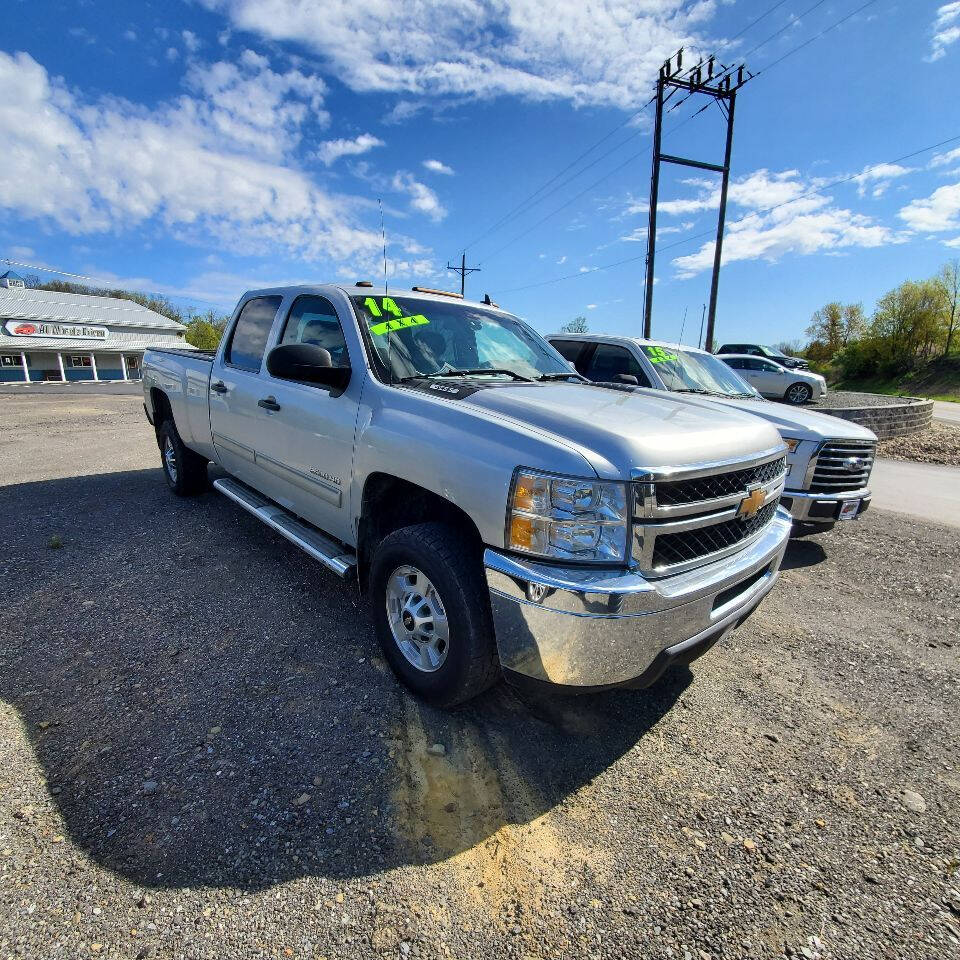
point(567, 518)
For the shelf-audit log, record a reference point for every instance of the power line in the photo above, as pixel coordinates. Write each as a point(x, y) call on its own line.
point(518, 208)
point(109, 284)
point(529, 202)
point(518, 211)
point(563, 206)
point(755, 213)
point(805, 43)
point(769, 66)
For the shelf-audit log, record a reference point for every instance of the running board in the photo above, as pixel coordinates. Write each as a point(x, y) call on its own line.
point(310, 540)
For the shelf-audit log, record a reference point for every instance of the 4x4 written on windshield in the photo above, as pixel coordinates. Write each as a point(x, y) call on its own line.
point(397, 322)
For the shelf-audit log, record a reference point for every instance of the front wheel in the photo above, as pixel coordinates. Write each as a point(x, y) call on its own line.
point(798, 393)
point(431, 612)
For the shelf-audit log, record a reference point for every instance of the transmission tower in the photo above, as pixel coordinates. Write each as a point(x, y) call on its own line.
point(707, 78)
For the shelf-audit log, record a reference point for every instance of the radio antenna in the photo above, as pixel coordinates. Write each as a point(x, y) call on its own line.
point(683, 324)
point(383, 234)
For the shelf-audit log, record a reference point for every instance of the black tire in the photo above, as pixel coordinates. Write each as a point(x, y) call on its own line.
point(186, 476)
point(798, 394)
point(453, 565)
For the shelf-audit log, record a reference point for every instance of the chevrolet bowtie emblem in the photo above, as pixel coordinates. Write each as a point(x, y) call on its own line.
point(751, 503)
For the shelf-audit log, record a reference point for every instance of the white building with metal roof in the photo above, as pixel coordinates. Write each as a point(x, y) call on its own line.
point(46, 335)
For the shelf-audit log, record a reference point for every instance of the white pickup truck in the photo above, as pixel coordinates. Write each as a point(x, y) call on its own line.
point(500, 513)
point(830, 459)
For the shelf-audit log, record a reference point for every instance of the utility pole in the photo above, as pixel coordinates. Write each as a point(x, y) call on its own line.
point(463, 270)
point(713, 79)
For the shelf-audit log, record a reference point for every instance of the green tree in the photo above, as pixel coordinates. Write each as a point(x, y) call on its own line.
point(832, 327)
point(205, 330)
point(949, 281)
point(576, 325)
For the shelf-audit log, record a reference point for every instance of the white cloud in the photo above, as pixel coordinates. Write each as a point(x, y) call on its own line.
point(536, 49)
point(253, 106)
point(191, 41)
point(955, 242)
point(332, 150)
point(946, 30)
point(562, 260)
point(172, 54)
point(192, 165)
point(939, 211)
point(877, 178)
point(591, 306)
point(945, 159)
point(436, 166)
point(801, 224)
point(130, 35)
point(422, 198)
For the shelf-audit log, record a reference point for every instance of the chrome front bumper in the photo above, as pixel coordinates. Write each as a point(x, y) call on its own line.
point(822, 507)
point(586, 629)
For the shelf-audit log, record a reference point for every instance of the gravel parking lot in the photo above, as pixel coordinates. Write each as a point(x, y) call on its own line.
point(203, 755)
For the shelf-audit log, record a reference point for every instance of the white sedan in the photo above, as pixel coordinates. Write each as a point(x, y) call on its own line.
point(776, 382)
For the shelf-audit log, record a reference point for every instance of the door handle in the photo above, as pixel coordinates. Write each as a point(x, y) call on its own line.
point(268, 403)
point(219, 387)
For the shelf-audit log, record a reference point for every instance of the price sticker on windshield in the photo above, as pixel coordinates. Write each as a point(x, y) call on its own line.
point(658, 354)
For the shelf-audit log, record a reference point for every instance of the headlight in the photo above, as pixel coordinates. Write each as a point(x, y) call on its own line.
point(568, 518)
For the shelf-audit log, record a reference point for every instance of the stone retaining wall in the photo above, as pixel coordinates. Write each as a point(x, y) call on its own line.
point(911, 415)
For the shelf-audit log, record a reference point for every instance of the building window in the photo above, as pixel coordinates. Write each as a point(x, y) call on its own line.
point(10, 360)
point(79, 361)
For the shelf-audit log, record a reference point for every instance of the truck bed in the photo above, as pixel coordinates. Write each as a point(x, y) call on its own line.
point(207, 355)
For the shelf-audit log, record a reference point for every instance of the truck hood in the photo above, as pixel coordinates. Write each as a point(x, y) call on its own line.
point(793, 421)
point(618, 431)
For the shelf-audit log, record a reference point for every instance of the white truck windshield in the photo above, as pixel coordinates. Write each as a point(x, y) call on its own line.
point(415, 338)
point(687, 372)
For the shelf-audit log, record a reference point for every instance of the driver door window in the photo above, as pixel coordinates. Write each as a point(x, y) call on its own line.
point(314, 320)
point(609, 361)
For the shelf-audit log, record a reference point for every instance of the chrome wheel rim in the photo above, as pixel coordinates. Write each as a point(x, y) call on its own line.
point(170, 459)
point(417, 618)
point(798, 394)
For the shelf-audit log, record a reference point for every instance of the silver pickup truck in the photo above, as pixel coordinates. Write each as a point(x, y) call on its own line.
point(830, 460)
point(500, 513)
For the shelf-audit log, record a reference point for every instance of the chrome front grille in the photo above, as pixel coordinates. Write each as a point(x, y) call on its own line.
point(674, 548)
point(686, 517)
point(842, 465)
point(673, 492)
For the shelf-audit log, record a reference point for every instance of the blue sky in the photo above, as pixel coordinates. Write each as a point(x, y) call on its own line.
point(200, 147)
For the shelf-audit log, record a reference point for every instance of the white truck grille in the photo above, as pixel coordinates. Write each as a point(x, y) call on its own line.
point(842, 465)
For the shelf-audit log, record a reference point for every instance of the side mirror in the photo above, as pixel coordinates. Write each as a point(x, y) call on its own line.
point(627, 378)
point(307, 363)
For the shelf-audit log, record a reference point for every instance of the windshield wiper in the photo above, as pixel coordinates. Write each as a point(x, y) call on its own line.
point(561, 376)
point(479, 371)
point(692, 390)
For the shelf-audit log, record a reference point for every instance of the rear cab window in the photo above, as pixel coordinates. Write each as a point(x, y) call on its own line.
point(250, 333)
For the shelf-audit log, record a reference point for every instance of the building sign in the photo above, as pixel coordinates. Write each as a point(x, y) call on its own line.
point(36, 328)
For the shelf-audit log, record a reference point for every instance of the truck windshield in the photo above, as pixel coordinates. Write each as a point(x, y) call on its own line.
point(428, 338)
point(687, 372)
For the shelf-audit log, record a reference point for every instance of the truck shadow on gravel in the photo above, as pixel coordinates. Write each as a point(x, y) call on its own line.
point(208, 706)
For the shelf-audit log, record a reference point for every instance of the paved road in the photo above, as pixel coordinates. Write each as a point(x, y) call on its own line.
point(927, 491)
point(82, 389)
point(946, 412)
